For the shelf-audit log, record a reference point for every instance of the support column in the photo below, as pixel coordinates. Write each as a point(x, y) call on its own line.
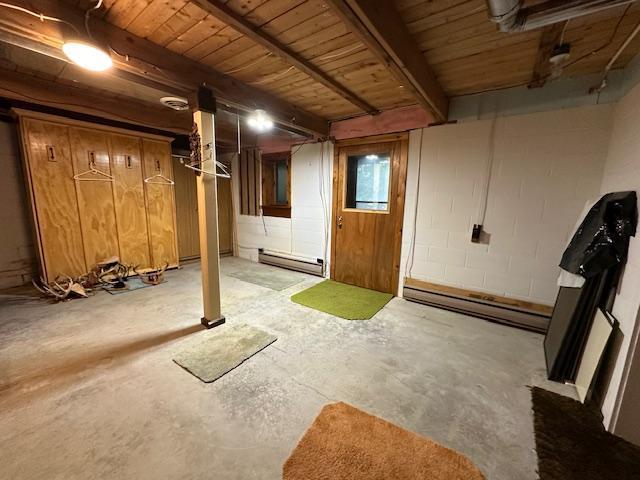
point(204, 119)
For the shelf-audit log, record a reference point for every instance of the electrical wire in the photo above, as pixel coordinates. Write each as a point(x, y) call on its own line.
point(250, 64)
point(408, 266)
point(268, 54)
point(41, 16)
point(482, 213)
point(87, 14)
point(564, 29)
point(604, 45)
point(273, 77)
point(307, 140)
point(339, 54)
point(323, 199)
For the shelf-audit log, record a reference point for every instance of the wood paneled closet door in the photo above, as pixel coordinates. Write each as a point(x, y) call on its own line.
point(53, 197)
point(90, 148)
point(160, 202)
point(128, 195)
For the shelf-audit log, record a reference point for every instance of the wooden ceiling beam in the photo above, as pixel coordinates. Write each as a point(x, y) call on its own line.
point(151, 61)
point(550, 37)
point(229, 16)
point(27, 88)
point(380, 27)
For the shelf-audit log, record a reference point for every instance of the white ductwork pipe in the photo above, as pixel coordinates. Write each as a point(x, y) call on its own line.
point(504, 13)
point(511, 17)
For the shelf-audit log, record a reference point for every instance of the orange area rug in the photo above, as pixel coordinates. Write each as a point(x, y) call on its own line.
point(346, 443)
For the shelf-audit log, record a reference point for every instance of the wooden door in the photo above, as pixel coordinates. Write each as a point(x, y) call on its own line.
point(90, 148)
point(128, 195)
point(225, 216)
point(160, 202)
point(186, 212)
point(53, 196)
point(369, 188)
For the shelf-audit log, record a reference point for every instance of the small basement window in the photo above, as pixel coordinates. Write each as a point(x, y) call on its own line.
point(276, 184)
point(368, 182)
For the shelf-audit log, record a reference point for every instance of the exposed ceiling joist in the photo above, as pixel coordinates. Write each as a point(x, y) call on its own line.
point(255, 33)
point(27, 88)
point(35, 46)
point(148, 60)
point(550, 37)
point(380, 27)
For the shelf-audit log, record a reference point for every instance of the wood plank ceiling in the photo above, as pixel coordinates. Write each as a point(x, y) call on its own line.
point(463, 48)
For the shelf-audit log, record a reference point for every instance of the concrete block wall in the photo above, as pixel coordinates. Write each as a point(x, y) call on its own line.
point(17, 254)
point(622, 172)
point(545, 167)
point(303, 235)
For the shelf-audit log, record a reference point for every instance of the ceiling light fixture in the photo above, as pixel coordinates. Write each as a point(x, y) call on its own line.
point(260, 121)
point(87, 55)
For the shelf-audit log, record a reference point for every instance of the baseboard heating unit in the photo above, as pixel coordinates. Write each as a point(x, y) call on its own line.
point(526, 315)
point(291, 262)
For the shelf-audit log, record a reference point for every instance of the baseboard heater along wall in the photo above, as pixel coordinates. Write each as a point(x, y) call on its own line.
point(291, 262)
point(526, 315)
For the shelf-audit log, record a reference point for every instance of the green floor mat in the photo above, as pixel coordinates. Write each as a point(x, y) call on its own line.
point(266, 276)
point(342, 300)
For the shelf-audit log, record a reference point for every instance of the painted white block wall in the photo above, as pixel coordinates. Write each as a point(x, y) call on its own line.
point(17, 254)
point(545, 167)
point(622, 172)
point(303, 235)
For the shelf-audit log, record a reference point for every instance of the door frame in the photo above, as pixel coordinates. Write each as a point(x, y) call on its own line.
point(403, 139)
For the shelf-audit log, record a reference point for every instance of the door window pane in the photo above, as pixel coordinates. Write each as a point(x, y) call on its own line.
point(281, 183)
point(368, 181)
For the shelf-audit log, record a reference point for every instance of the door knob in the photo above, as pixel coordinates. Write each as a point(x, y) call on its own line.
point(339, 219)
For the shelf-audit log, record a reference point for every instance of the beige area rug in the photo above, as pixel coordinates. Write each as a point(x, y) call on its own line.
point(346, 443)
point(219, 351)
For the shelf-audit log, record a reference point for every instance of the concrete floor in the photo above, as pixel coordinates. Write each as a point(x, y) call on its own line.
point(88, 389)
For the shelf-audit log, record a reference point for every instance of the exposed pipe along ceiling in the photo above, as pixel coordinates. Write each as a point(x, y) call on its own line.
point(512, 17)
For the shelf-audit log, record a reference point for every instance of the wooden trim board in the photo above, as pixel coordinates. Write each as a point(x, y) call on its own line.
point(522, 305)
point(48, 117)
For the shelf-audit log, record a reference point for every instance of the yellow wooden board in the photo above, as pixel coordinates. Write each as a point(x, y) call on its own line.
point(160, 203)
point(95, 195)
point(128, 195)
point(54, 202)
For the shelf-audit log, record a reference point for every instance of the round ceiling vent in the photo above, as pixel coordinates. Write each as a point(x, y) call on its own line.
point(177, 103)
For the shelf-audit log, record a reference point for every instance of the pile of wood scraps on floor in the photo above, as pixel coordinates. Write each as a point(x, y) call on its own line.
point(111, 275)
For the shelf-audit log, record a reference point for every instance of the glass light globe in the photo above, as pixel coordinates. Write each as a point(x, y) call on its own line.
point(87, 56)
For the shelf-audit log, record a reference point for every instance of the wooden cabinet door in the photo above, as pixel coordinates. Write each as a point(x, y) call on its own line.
point(160, 202)
point(53, 194)
point(95, 195)
point(128, 196)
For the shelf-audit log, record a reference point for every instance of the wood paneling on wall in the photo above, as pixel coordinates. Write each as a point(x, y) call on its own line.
point(186, 212)
point(82, 221)
point(250, 181)
point(225, 216)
